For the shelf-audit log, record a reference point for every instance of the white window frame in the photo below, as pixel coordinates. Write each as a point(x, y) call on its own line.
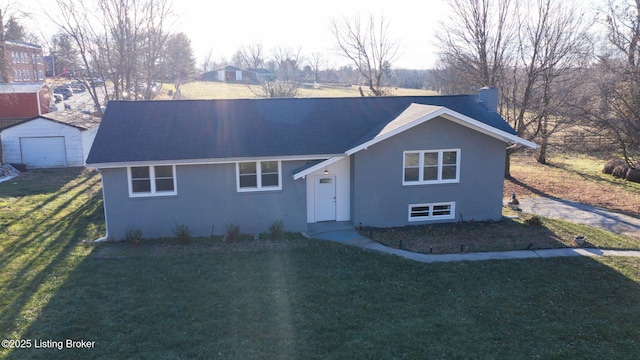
point(152, 179)
point(259, 186)
point(430, 216)
point(439, 180)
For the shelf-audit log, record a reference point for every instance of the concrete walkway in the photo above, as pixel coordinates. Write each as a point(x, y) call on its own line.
point(581, 214)
point(345, 233)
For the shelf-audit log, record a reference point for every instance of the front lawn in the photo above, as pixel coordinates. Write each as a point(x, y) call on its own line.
point(326, 301)
point(289, 299)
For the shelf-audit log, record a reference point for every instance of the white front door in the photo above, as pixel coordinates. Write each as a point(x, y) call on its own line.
point(325, 198)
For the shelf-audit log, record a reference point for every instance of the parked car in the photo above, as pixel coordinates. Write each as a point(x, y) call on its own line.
point(96, 82)
point(63, 90)
point(77, 86)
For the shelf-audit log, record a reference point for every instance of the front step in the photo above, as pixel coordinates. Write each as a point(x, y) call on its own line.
point(314, 229)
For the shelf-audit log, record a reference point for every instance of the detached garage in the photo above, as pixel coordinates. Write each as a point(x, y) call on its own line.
point(54, 140)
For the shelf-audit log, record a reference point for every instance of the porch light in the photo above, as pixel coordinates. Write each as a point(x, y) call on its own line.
point(326, 172)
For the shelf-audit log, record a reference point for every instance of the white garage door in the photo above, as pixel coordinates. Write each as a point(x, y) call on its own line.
point(43, 152)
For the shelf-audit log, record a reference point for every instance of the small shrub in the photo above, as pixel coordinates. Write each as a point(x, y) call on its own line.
point(620, 171)
point(182, 233)
point(533, 220)
point(633, 175)
point(611, 164)
point(133, 234)
point(233, 232)
point(276, 230)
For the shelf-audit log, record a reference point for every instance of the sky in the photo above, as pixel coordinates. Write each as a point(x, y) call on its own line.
point(224, 26)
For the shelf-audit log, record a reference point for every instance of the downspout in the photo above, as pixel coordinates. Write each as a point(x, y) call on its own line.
point(104, 206)
point(38, 101)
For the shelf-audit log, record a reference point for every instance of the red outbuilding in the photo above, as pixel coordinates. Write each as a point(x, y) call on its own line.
point(24, 100)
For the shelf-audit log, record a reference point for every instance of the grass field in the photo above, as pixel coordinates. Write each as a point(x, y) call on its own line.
point(219, 90)
point(288, 299)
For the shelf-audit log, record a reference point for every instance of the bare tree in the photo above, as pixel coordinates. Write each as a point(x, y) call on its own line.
point(623, 25)
point(63, 53)
point(368, 45)
point(615, 108)
point(530, 50)
point(316, 62)
point(119, 40)
point(288, 61)
point(207, 62)
point(286, 64)
point(252, 55)
point(553, 45)
point(75, 21)
point(477, 42)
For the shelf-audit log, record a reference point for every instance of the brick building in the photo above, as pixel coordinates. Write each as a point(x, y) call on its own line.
point(26, 61)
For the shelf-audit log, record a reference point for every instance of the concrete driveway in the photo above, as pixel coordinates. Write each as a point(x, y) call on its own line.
point(581, 214)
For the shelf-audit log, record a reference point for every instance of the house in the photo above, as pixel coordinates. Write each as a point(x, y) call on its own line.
point(371, 161)
point(57, 139)
point(24, 100)
point(25, 62)
point(228, 74)
point(234, 74)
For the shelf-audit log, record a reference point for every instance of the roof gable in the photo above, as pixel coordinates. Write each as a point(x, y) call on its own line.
point(204, 130)
point(417, 114)
point(74, 119)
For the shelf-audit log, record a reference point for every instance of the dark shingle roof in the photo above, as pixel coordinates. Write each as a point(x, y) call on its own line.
point(214, 129)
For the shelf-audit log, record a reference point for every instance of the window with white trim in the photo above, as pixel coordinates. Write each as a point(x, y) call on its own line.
point(259, 176)
point(152, 180)
point(434, 211)
point(431, 167)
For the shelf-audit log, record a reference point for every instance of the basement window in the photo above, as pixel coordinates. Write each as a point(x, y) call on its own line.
point(430, 212)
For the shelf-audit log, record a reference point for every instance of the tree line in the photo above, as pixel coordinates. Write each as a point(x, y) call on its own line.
point(129, 44)
point(556, 65)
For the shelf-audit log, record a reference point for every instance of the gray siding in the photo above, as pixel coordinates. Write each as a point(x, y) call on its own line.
point(380, 199)
point(206, 197)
